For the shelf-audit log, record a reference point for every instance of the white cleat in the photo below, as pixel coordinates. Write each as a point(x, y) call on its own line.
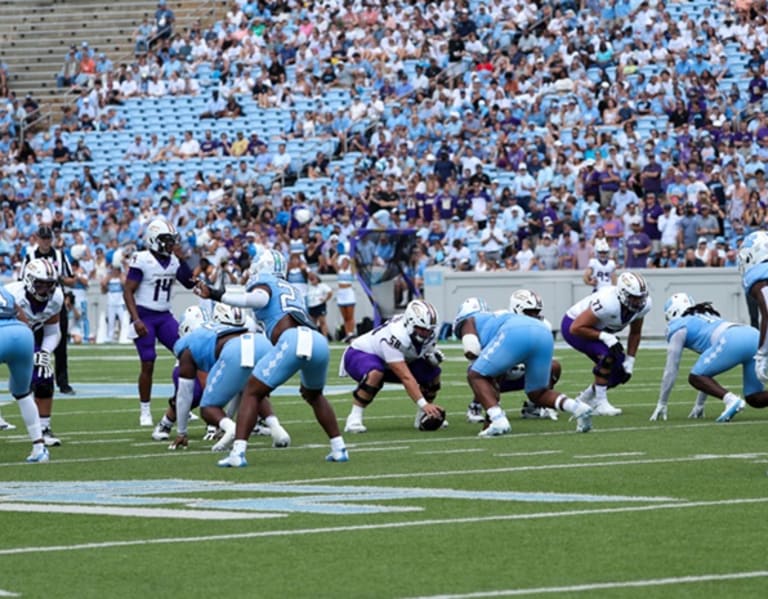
point(280, 436)
point(5, 425)
point(733, 405)
point(161, 432)
point(604, 408)
point(475, 413)
point(233, 460)
point(338, 456)
point(49, 439)
point(211, 433)
point(354, 426)
point(583, 417)
point(39, 455)
point(496, 428)
point(145, 420)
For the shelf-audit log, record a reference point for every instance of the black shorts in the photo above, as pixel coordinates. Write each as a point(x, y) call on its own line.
point(316, 311)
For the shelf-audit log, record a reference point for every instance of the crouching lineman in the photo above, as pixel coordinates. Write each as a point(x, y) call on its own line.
point(226, 352)
point(589, 326)
point(401, 351)
point(752, 261)
point(722, 345)
point(498, 341)
point(17, 349)
point(297, 346)
point(527, 302)
point(39, 300)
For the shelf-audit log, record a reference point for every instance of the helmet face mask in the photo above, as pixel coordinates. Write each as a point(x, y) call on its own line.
point(40, 279)
point(229, 315)
point(269, 262)
point(603, 250)
point(676, 305)
point(420, 320)
point(753, 251)
point(161, 237)
point(632, 291)
point(526, 302)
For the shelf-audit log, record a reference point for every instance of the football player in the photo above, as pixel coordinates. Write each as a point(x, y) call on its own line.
point(589, 326)
point(752, 262)
point(400, 351)
point(17, 350)
point(601, 270)
point(297, 346)
point(39, 300)
point(722, 345)
point(498, 341)
point(147, 293)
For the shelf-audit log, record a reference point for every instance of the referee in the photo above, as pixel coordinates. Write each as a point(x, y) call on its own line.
point(44, 249)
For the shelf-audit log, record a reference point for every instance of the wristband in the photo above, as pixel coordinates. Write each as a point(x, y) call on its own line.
point(422, 403)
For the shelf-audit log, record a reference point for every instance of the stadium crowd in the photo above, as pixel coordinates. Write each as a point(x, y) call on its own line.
point(510, 135)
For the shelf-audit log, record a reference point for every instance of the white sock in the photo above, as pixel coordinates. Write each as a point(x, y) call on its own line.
point(729, 397)
point(601, 393)
point(495, 412)
point(28, 409)
point(227, 424)
point(588, 394)
point(165, 421)
point(357, 412)
point(337, 443)
point(45, 422)
point(271, 421)
point(145, 407)
point(239, 446)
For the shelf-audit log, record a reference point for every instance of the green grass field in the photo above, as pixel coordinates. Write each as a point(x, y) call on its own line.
point(632, 509)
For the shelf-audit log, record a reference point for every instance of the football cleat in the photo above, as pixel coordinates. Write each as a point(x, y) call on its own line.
point(733, 405)
point(50, 439)
point(261, 429)
point(5, 425)
point(531, 411)
point(604, 408)
point(354, 425)
point(338, 456)
point(496, 428)
point(211, 433)
point(145, 419)
point(475, 413)
point(39, 455)
point(583, 417)
point(280, 437)
point(161, 432)
point(233, 460)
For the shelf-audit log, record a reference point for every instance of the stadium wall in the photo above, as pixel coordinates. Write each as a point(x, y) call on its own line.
point(446, 289)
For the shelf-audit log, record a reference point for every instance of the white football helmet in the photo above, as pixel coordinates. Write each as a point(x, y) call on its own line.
point(469, 307)
point(40, 279)
point(753, 251)
point(676, 305)
point(602, 249)
point(526, 302)
point(229, 315)
point(420, 318)
point(269, 262)
point(160, 237)
point(632, 290)
point(192, 319)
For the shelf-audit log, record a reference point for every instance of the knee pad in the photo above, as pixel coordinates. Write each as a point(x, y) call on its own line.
point(430, 390)
point(365, 393)
point(43, 388)
point(605, 366)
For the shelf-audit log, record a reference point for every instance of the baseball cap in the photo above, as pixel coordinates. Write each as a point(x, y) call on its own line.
point(702, 240)
point(45, 232)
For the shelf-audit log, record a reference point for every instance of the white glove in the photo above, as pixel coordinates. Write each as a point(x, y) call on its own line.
point(210, 433)
point(42, 363)
point(609, 339)
point(761, 367)
point(629, 364)
point(435, 357)
point(660, 413)
point(697, 412)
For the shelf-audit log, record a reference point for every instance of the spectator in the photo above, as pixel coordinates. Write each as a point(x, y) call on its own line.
point(638, 245)
point(137, 150)
point(164, 21)
point(67, 76)
point(545, 254)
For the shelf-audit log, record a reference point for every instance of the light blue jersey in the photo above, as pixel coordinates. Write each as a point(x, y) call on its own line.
point(759, 272)
point(722, 345)
point(284, 299)
point(508, 340)
point(17, 346)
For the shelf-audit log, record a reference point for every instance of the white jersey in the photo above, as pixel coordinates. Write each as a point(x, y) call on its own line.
point(602, 272)
point(391, 343)
point(37, 318)
point(154, 291)
point(605, 305)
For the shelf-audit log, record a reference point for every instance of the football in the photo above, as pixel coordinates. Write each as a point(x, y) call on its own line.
point(302, 216)
point(430, 423)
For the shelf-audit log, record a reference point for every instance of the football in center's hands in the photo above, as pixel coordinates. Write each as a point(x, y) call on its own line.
point(431, 423)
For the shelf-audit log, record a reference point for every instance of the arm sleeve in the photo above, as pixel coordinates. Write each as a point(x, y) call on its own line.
point(184, 397)
point(255, 298)
point(184, 276)
point(674, 353)
point(51, 337)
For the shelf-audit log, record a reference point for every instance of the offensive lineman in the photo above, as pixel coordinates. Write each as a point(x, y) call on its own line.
point(400, 351)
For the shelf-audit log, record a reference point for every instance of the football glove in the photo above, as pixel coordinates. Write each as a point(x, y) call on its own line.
point(435, 357)
point(42, 363)
point(660, 413)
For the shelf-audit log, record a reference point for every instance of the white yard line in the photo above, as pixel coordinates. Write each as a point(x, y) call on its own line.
point(651, 582)
point(390, 525)
point(8, 594)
